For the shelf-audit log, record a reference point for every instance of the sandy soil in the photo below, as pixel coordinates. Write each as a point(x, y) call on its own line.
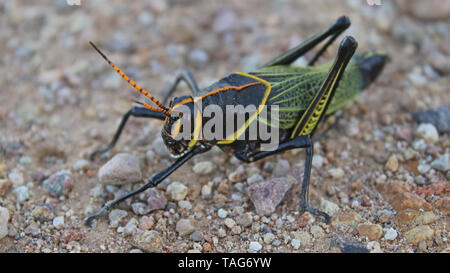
point(59, 101)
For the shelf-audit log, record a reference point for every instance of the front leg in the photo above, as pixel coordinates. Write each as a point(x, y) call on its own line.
point(153, 181)
point(140, 112)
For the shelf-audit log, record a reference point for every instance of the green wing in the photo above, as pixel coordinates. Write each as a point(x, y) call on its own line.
point(293, 89)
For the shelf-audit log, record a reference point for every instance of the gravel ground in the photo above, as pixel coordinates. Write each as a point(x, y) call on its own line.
point(383, 175)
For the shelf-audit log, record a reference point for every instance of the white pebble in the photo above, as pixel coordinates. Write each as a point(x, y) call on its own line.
point(81, 165)
point(222, 213)
point(177, 191)
point(442, 163)
point(336, 173)
point(58, 222)
point(185, 204)
point(255, 246)
point(295, 243)
point(230, 223)
point(204, 167)
point(21, 193)
point(390, 234)
point(4, 218)
point(317, 161)
point(423, 168)
point(329, 207)
point(428, 132)
point(16, 178)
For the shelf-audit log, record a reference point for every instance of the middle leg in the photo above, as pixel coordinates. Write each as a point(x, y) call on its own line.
point(186, 76)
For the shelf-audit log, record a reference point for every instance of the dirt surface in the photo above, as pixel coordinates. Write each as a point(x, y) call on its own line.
point(59, 101)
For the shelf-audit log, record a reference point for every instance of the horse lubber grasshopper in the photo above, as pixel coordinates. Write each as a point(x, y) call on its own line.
point(303, 95)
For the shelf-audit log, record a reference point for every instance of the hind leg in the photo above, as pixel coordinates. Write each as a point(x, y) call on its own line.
point(341, 24)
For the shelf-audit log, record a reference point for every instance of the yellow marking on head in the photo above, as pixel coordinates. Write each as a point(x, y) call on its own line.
point(176, 128)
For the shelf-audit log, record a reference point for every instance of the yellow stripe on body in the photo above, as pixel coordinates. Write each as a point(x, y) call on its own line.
point(312, 121)
point(240, 131)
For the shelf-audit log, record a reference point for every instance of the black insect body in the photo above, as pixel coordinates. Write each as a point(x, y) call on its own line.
point(303, 96)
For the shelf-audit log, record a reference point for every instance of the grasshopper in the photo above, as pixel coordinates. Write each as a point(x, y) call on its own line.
point(304, 96)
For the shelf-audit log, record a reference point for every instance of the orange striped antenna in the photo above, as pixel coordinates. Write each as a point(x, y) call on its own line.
point(152, 107)
point(132, 83)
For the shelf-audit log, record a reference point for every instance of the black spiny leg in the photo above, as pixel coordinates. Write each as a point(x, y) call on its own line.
point(304, 197)
point(153, 181)
point(341, 24)
point(135, 112)
point(188, 78)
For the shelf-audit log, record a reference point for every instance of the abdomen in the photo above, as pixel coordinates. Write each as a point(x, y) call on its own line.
point(293, 89)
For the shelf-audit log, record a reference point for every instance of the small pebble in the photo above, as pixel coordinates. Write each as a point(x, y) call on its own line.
point(268, 238)
point(237, 175)
point(185, 204)
point(254, 178)
point(198, 57)
point(59, 183)
point(71, 235)
point(428, 132)
point(156, 199)
point(4, 218)
point(390, 234)
point(245, 219)
point(222, 213)
point(317, 161)
point(196, 236)
point(295, 243)
point(255, 246)
point(140, 208)
point(42, 213)
point(230, 223)
point(336, 173)
point(392, 163)
point(149, 241)
point(281, 168)
point(185, 227)
point(58, 222)
point(329, 207)
point(16, 178)
point(317, 232)
point(121, 169)
point(130, 228)
point(423, 168)
point(146, 222)
point(419, 145)
point(221, 233)
point(266, 195)
point(206, 192)
point(177, 191)
point(97, 191)
point(442, 163)
point(81, 165)
point(115, 216)
point(21, 193)
point(25, 160)
point(203, 167)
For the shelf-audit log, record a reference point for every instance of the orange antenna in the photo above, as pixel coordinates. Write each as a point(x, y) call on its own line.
point(152, 107)
point(132, 83)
